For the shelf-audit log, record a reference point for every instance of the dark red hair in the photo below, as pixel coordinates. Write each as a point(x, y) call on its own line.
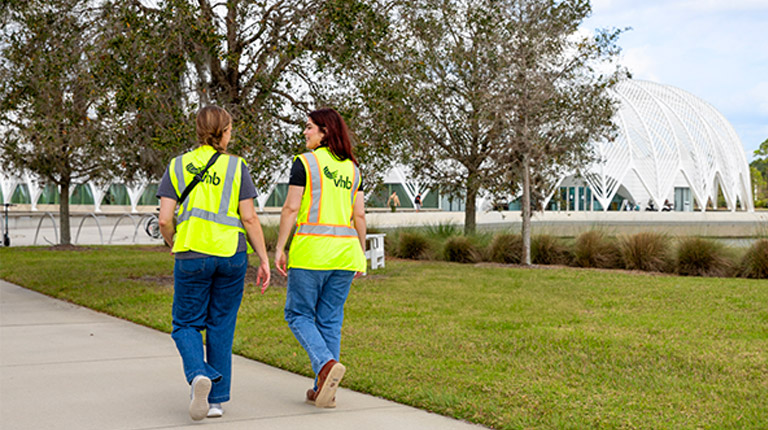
point(335, 133)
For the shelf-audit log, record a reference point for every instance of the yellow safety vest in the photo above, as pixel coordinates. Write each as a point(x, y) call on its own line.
point(209, 220)
point(325, 238)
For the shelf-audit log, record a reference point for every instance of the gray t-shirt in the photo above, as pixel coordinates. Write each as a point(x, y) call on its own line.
point(247, 191)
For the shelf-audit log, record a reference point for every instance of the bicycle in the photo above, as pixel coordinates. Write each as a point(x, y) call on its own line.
point(152, 226)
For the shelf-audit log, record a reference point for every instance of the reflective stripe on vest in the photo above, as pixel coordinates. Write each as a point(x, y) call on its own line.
point(315, 185)
point(179, 169)
point(226, 196)
point(326, 230)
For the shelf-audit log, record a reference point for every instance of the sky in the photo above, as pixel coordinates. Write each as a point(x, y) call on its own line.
point(716, 50)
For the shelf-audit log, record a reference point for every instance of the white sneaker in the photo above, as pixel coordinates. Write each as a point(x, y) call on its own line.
point(215, 410)
point(198, 407)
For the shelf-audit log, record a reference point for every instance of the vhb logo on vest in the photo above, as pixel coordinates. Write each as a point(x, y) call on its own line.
point(215, 180)
point(343, 181)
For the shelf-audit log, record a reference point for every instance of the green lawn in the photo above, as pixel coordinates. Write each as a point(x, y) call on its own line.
point(505, 347)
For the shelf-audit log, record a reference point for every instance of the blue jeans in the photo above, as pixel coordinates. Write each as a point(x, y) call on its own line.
point(314, 309)
point(207, 295)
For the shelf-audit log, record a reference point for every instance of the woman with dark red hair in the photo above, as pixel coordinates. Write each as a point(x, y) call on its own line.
point(325, 202)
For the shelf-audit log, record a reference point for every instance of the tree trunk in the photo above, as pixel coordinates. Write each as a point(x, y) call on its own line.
point(526, 257)
point(66, 237)
point(469, 209)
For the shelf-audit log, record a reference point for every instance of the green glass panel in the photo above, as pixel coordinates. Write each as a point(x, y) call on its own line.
point(21, 195)
point(116, 195)
point(432, 200)
point(277, 198)
point(49, 195)
point(82, 195)
point(149, 196)
point(381, 195)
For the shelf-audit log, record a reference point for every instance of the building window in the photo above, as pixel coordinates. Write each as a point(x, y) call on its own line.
point(116, 195)
point(21, 195)
point(82, 195)
point(149, 196)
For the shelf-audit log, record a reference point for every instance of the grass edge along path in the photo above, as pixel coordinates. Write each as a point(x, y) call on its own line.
point(501, 346)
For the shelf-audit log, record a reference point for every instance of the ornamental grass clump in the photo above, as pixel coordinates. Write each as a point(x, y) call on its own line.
point(754, 264)
point(413, 246)
point(270, 236)
point(459, 249)
point(647, 251)
point(594, 249)
point(506, 249)
point(443, 230)
point(546, 249)
point(701, 257)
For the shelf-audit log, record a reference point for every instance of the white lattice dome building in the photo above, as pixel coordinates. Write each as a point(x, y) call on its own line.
point(672, 146)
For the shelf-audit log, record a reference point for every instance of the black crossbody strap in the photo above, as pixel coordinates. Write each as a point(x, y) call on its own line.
point(198, 177)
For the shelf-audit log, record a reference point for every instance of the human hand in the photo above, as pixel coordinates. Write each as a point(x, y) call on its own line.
point(358, 274)
point(280, 262)
point(263, 276)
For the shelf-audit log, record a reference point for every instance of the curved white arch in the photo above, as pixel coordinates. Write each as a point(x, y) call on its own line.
point(662, 131)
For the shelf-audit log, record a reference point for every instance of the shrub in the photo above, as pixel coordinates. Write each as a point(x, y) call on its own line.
point(701, 257)
point(460, 249)
point(270, 232)
point(506, 248)
point(646, 251)
point(482, 243)
point(270, 236)
point(390, 244)
point(594, 249)
point(546, 249)
point(755, 262)
point(443, 231)
point(412, 245)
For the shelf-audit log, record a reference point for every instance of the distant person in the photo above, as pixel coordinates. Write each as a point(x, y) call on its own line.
point(393, 202)
point(325, 201)
point(651, 205)
point(216, 223)
point(667, 206)
point(417, 202)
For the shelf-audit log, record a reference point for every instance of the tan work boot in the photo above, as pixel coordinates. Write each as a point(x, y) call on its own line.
point(312, 395)
point(328, 382)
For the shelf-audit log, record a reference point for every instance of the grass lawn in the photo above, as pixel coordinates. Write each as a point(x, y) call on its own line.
point(502, 346)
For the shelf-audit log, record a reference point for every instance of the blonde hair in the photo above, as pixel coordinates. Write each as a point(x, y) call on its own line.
point(212, 122)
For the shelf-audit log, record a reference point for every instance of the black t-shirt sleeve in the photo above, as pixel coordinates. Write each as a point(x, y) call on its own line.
point(298, 174)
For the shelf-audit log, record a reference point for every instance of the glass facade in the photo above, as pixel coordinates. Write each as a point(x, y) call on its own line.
point(49, 195)
point(21, 195)
point(277, 198)
point(116, 195)
point(381, 195)
point(82, 195)
point(149, 196)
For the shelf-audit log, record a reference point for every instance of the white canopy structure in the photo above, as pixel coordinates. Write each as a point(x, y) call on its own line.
point(669, 142)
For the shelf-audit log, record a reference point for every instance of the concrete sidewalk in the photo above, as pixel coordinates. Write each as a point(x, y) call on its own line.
point(66, 367)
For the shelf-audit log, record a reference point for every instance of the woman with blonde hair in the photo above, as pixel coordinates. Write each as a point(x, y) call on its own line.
point(216, 228)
